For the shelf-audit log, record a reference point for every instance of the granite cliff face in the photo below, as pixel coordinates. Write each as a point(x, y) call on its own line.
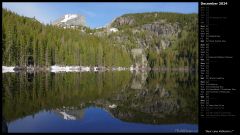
point(162, 29)
point(124, 21)
point(145, 32)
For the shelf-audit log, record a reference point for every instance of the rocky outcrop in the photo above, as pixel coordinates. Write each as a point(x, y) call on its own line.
point(153, 35)
point(123, 21)
point(139, 58)
point(165, 44)
point(162, 29)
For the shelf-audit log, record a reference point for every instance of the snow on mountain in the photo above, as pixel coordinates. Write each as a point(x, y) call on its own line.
point(70, 21)
point(69, 17)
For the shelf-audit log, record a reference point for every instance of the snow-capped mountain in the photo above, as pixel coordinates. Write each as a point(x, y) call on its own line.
point(70, 21)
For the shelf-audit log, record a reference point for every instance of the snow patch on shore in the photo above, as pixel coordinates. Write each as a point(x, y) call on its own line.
point(112, 106)
point(57, 68)
point(86, 69)
point(6, 69)
point(131, 68)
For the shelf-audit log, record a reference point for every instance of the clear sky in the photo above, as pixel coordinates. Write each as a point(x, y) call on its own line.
point(97, 14)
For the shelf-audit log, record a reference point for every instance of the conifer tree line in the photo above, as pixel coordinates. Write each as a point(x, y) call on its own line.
point(24, 38)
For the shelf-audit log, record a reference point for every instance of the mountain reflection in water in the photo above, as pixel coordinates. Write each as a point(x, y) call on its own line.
point(101, 102)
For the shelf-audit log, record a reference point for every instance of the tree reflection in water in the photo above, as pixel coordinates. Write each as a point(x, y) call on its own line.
point(142, 97)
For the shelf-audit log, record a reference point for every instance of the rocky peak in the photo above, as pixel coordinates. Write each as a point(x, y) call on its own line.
point(70, 21)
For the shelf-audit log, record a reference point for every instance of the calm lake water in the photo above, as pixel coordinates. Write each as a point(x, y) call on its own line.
point(118, 101)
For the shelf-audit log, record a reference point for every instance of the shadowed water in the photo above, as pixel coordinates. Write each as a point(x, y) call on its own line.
point(101, 102)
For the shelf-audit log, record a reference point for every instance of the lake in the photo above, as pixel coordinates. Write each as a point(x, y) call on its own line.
point(113, 101)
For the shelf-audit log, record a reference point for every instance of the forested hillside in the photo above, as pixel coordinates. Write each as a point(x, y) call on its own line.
point(155, 40)
point(24, 37)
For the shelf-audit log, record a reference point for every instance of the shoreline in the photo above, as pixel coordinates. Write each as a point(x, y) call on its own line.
point(58, 68)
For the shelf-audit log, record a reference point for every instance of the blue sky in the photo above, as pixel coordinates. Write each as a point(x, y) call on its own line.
point(97, 14)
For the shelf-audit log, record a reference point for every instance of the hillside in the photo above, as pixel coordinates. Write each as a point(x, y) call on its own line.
point(156, 40)
point(167, 39)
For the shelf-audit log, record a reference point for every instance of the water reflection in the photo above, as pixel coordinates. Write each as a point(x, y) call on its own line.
point(69, 113)
point(154, 98)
